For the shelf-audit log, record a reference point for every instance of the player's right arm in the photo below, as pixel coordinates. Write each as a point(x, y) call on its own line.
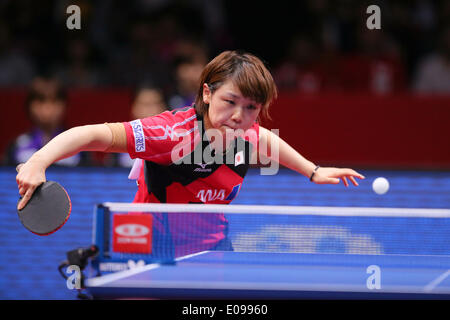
point(99, 137)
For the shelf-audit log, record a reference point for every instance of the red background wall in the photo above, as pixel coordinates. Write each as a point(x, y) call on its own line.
point(370, 131)
point(360, 130)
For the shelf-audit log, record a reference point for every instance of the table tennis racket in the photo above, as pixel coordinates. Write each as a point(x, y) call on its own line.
point(47, 210)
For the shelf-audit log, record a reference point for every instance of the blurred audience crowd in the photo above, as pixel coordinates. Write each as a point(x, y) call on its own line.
point(159, 47)
point(315, 45)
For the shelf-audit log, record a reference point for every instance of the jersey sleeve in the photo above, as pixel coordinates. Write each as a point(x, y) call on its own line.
point(155, 138)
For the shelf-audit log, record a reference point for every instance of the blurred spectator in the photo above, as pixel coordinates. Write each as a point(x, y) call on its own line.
point(433, 75)
point(376, 66)
point(192, 47)
point(187, 72)
point(139, 40)
point(141, 59)
point(15, 66)
point(149, 100)
point(45, 106)
point(78, 68)
point(306, 69)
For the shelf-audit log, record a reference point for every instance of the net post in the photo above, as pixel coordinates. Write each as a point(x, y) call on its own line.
point(101, 225)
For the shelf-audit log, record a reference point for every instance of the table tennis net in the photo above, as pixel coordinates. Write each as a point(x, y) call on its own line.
point(163, 232)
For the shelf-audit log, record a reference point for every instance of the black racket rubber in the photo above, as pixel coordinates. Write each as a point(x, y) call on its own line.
point(48, 209)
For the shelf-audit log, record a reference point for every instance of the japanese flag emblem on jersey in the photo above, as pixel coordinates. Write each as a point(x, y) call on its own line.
point(239, 158)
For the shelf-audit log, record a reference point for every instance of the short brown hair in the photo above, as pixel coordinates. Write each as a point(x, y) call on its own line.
point(44, 89)
point(246, 71)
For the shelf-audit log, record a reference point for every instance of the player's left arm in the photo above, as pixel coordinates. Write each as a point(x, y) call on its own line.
point(290, 158)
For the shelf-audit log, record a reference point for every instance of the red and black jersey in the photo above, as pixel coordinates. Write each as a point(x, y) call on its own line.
point(169, 145)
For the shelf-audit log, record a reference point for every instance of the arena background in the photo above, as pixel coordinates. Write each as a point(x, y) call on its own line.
point(348, 96)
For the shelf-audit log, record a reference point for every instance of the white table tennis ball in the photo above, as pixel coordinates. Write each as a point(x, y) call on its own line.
point(380, 185)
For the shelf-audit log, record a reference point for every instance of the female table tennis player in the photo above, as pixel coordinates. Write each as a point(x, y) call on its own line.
point(234, 93)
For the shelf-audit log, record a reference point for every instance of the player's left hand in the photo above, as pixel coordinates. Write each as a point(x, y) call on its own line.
point(330, 175)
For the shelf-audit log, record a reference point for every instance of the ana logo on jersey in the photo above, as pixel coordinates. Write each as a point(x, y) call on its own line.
point(207, 195)
point(211, 195)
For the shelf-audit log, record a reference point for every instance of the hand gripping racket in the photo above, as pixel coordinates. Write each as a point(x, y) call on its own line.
point(47, 210)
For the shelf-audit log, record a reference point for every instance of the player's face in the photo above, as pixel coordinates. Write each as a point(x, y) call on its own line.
point(229, 109)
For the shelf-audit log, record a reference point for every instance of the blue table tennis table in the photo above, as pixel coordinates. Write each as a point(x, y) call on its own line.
point(258, 275)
